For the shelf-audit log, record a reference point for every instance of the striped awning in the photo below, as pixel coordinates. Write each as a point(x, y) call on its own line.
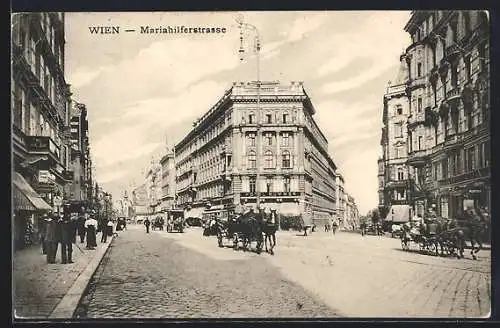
point(25, 198)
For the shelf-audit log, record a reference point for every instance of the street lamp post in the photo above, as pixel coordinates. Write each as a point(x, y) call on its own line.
point(249, 27)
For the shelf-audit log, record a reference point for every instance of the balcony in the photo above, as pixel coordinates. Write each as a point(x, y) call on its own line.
point(418, 158)
point(68, 175)
point(418, 118)
point(484, 172)
point(453, 94)
point(416, 83)
point(397, 184)
point(434, 74)
point(43, 146)
point(452, 52)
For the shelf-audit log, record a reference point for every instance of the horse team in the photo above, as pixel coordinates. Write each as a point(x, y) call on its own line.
point(447, 237)
point(246, 229)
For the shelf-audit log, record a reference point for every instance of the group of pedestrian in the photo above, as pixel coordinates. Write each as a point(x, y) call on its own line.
point(63, 229)
point(58, 229)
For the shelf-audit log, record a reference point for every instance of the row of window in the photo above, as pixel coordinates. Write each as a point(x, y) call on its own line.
point(268, 139)
point(269, 159)
point(271, 185)
point(268, 118)
point(462, 161)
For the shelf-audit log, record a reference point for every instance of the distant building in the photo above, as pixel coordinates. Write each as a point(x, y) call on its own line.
point(167, 181)
point(217, 162)
point(352, 214)
point(340, 196)
point(80, 191)
point(393, 176)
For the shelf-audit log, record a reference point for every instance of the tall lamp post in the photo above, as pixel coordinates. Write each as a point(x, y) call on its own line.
point(106, 204)
point(256, 49)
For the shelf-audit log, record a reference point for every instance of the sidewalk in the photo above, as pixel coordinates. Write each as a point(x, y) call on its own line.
point(40, 289)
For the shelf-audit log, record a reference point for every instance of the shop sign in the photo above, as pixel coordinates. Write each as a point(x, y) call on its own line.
point(58, 201)
point(474, 191)
point(44, 176)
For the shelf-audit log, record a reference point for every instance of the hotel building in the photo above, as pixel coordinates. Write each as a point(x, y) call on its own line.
point(218, 162)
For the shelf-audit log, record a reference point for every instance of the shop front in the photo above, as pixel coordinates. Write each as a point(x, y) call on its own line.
point(28, 210)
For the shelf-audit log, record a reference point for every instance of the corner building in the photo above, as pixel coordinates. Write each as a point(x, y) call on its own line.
point(218, 161)
point(449, 124)
point(393, 173)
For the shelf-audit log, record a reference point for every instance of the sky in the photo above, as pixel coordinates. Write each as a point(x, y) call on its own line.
point(144, 91)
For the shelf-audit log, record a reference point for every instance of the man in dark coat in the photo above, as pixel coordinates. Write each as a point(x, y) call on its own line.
point(68, 237)
point(104, 230)
point(81, 227)
point(147, 223)
point(52, 236)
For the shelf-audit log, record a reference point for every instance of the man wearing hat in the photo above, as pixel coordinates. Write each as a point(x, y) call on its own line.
point(68, 237)
point(52, 236)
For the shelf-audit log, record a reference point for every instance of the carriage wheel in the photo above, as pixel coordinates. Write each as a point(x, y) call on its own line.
point(235, 242)
point(433, 249)
point(404, 245)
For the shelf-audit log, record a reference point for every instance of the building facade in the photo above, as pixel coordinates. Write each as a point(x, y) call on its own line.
point(340, 199)
point(393, 177)
point(449, 124)
point(80, 191)
point(218, 162)
point(153, 181)
point(40, 119)
point(167, 181)
point(352, 214)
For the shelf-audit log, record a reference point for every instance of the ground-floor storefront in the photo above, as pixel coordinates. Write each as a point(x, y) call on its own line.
point(29, 208)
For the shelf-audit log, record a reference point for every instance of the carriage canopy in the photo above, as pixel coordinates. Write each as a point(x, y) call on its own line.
point(399, 214)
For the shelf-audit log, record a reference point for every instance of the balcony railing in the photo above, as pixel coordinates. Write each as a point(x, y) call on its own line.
point(484, 172)
point(272, 194)
point(397, 183)
point(417, 157)
point(452, 51)
point(45, 145)
point(453, 94)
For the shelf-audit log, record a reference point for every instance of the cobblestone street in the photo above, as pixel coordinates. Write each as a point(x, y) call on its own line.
point(164, 275)
point(153, 276)
point(372, 277)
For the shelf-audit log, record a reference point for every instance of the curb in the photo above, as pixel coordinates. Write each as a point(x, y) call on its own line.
point(69, 303)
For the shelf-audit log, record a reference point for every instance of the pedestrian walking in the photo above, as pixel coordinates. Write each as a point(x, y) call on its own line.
point(91, 227)
point(335, 226)
point(147, 223)
point(52, 236)
point(43, 233)
point(104, 230)
point(68, 237)
point(110, 228)
point(80, 223)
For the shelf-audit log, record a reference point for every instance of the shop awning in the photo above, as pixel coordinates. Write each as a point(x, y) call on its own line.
point(399, 214)
point(25, 198)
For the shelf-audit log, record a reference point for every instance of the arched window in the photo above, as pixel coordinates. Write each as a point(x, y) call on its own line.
point(252, 161)
point(268, 158)
point(251, 118)
point(285, 159)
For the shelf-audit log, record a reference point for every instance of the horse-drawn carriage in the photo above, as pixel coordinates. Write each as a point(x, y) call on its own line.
point(158, 223)
point(438, 236)
point(175, 221)
point(246, 229)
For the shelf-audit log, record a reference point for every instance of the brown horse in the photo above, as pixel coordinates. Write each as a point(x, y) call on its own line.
point(472, 229)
